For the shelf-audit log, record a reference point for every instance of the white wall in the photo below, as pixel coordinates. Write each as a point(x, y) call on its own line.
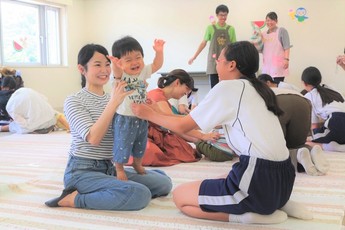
point(181, 23)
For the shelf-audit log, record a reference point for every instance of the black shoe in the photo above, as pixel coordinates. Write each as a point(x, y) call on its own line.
point(54, 202)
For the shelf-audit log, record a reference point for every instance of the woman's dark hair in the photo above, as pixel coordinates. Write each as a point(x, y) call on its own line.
point(179, 74)
point(19, 81)
point(246, 57)
point(125, 45)
point(312, 76)
point(86, 53)
point(265, 78)
point(222, 8)
point(272, 15)
point(9, 82)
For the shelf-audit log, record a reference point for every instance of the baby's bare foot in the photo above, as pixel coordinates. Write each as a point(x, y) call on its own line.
point(139, 169)
point(121, 175)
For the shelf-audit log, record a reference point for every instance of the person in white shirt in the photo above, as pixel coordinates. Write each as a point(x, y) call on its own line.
point(258, 187)
point(328, 111)
point(282, 85)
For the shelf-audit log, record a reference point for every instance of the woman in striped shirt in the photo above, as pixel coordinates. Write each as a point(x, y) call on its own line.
point(90, 177)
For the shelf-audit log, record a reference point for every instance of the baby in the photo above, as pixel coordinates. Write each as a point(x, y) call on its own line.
point(130, 132)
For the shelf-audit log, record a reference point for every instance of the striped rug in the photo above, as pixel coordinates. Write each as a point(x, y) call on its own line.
point(31, 172)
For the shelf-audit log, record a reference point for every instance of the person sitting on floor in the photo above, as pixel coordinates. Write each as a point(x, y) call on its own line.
point(328, 111)
point(7, 88)
point(165, 148)
point(271, 83)
point(295, 122)
point(90, 180)
point(258, 187)
point(31, 113)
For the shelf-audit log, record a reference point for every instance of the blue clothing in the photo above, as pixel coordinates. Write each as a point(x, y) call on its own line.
point(99, 189)
point(333, 130)
point(131, 133)
point(253, 185)
point(90, 169)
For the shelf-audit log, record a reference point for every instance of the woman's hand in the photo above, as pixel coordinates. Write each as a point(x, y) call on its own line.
point(119, 93)
point(341, 61)
point(286, 64)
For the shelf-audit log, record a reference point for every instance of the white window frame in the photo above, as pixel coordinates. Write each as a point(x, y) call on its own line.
point(60, 40)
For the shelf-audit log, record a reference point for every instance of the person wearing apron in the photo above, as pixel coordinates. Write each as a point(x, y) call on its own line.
point(276, 49)
point(219, 34)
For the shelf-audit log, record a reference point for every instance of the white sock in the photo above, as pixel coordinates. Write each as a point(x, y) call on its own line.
point(253, 218)
point(304, 158)
point(319, 159)
point(334, 146)
point(296, 210)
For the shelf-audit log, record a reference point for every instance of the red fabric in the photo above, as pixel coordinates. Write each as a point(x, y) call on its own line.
point(165, 149)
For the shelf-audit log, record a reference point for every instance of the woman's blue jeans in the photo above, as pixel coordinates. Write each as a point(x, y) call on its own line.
point(98, 187)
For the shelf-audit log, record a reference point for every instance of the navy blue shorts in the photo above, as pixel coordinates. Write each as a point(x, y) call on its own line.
point(334, 130)
point(253, 185)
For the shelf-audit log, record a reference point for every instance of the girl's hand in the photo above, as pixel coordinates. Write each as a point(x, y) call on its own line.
point(142, 111)
point(210, 136)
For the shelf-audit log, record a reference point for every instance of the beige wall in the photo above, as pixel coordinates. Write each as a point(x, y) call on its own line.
point(317, 41)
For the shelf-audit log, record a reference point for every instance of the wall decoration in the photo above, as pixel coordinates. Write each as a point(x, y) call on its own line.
point(260, 24)
point(19, 44)
point(300, 14)
point(212, 19)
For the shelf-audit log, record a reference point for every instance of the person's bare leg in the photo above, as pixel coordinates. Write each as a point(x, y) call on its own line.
point(138, 166)
point(5, 128)
point(120, 172)
point(185, 198)
point(68, 201)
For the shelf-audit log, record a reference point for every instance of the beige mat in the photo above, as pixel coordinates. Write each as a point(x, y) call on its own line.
point(31, 172)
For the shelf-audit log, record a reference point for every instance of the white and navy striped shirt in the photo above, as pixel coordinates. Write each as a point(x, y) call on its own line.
point(82, 110)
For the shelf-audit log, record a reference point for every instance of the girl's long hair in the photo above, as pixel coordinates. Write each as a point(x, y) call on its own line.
point(312, 76)
point(247, 62)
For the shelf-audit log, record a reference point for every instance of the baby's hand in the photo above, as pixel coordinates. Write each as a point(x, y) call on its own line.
point(158, 45)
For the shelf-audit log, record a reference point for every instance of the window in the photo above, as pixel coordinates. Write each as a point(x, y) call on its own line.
point(31, 34)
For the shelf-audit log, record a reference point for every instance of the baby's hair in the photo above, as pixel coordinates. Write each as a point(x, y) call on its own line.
point(126, 45)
